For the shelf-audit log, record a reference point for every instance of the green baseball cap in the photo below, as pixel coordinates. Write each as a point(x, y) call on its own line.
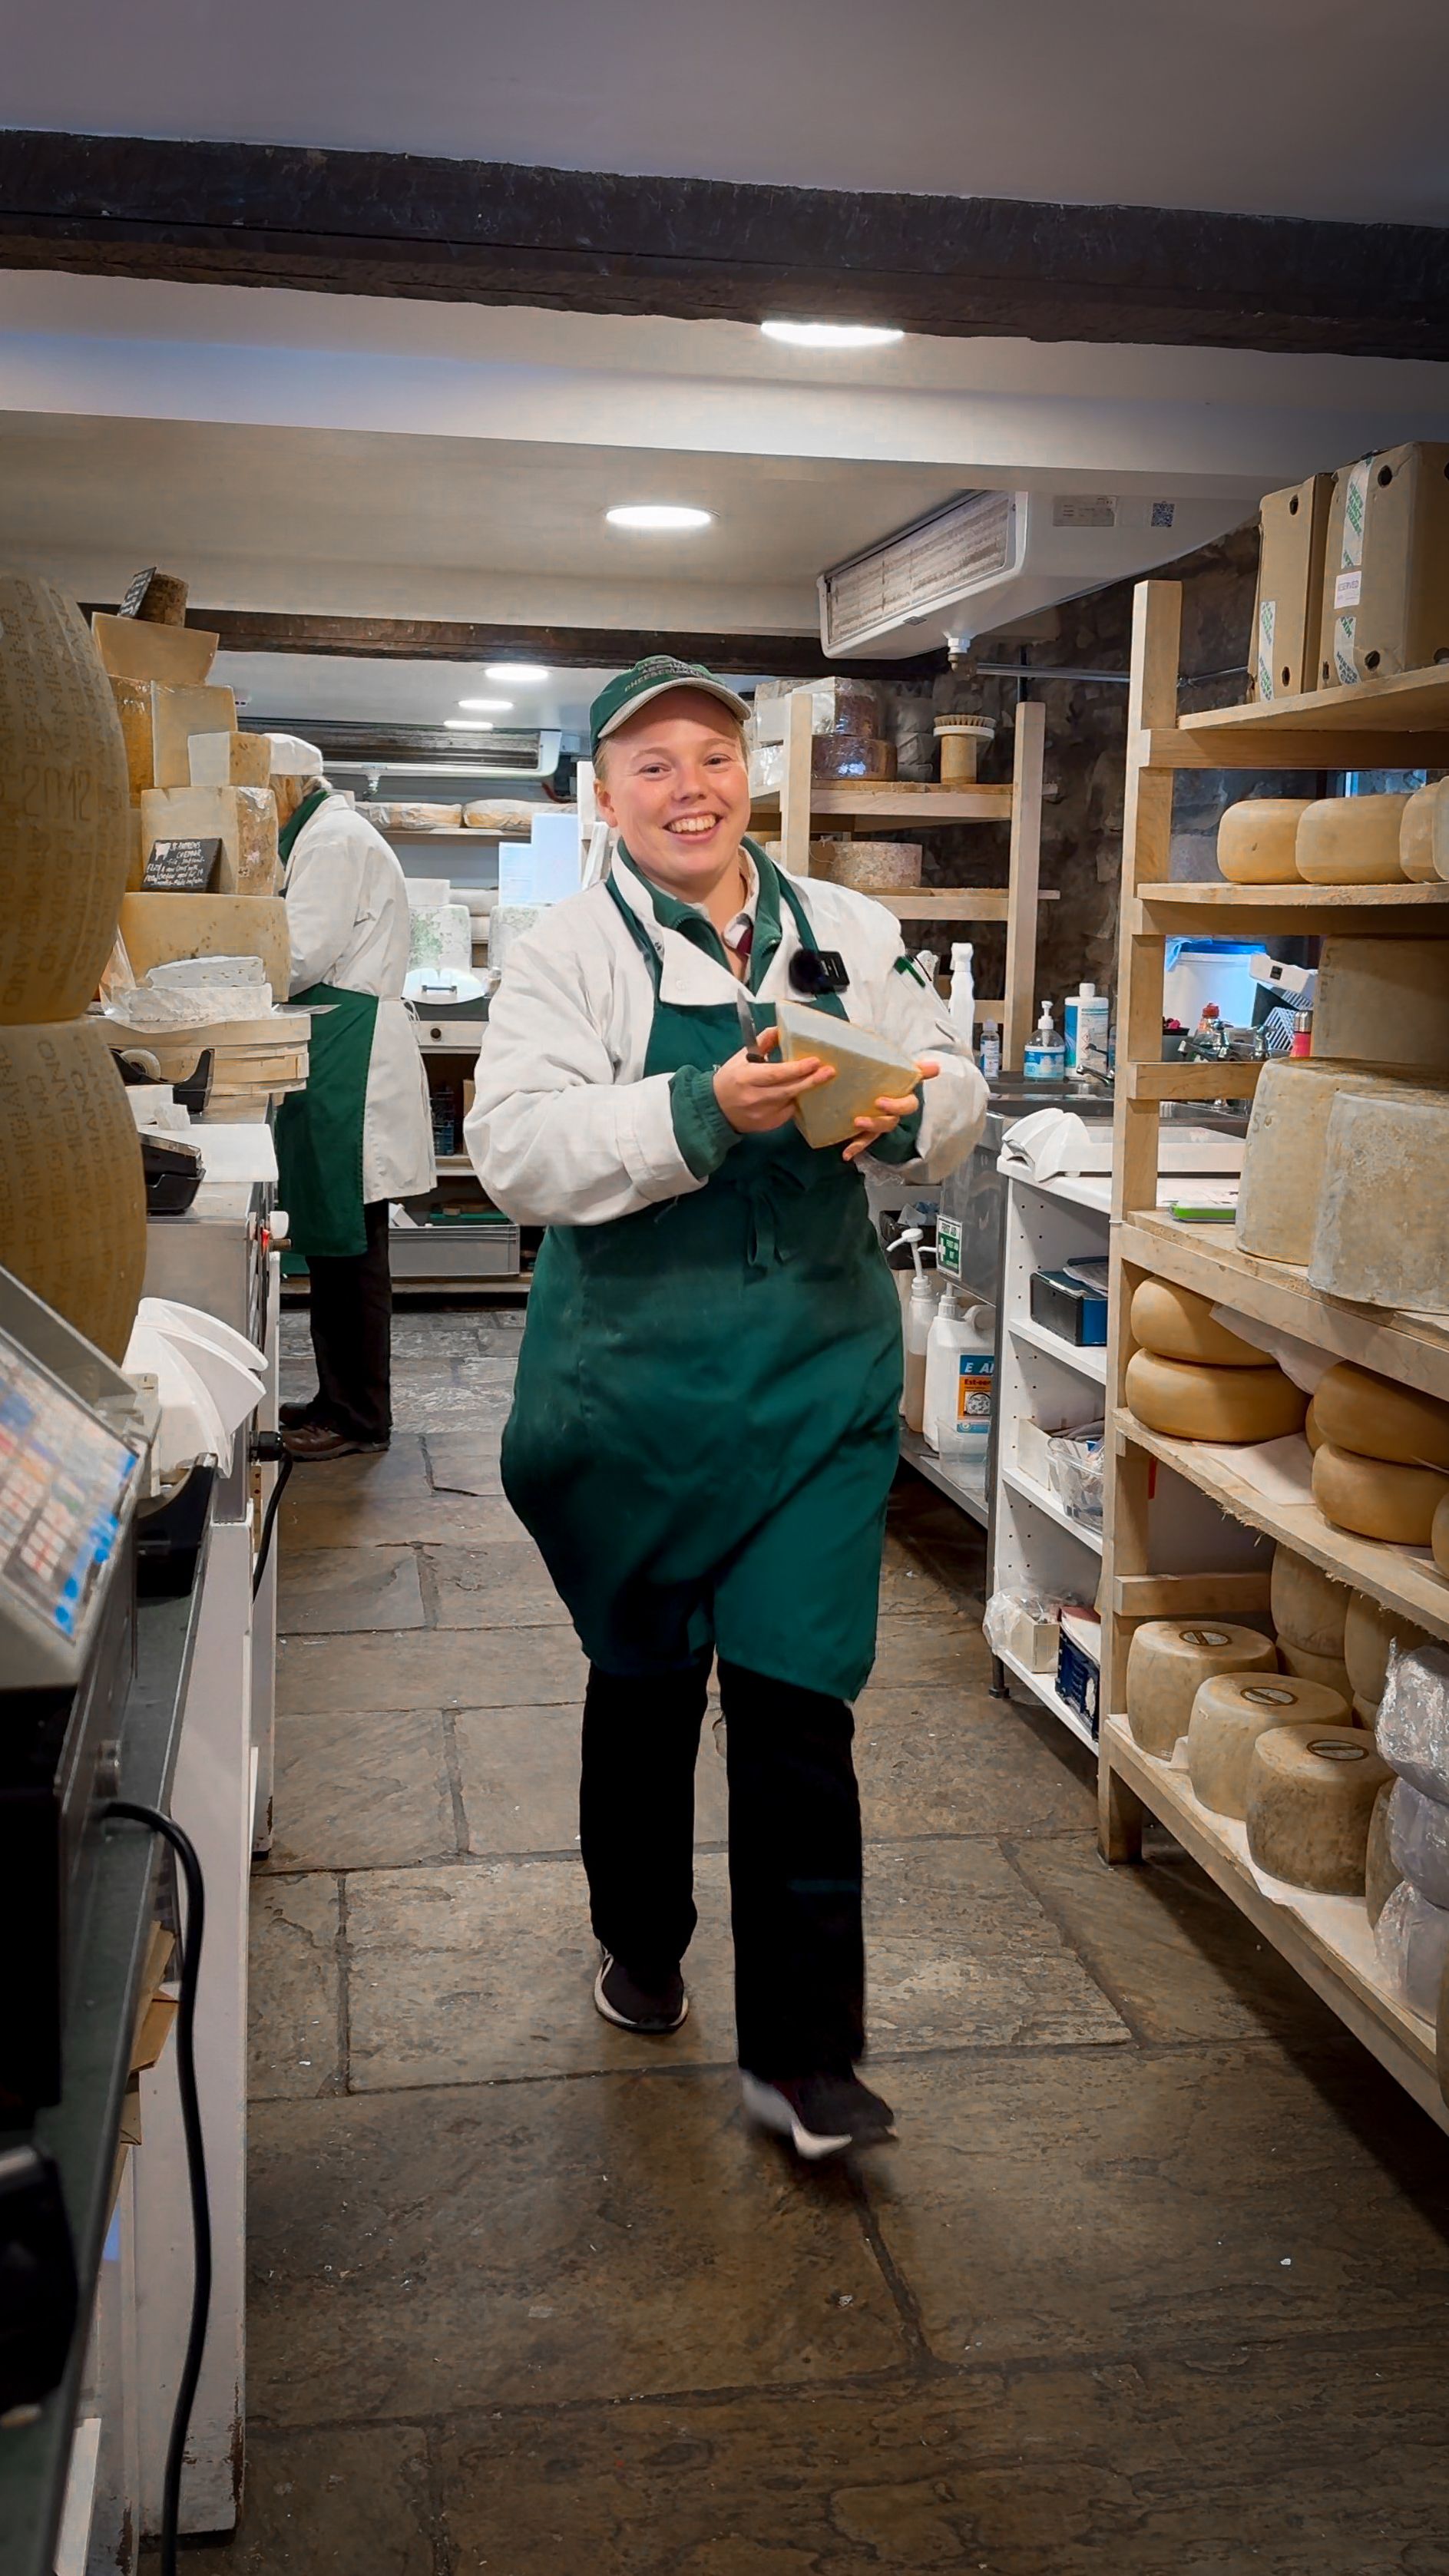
point(653, 678)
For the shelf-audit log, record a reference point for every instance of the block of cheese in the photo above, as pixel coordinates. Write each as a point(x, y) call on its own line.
point(1380, 1877)
point(1229, 1714)
point(1309, 1608)
point(176, 714)
point(1190, 1401)
point(1375, 1499)
point(1256, 840)
point(1329, 1670)
point(1412, 1941)
point(243, 819)
point(1311, 1793)
point(72, 1196)
point(1283, 1158)
point(230, 760)
point(1378, 1418)
point(159, 927)
point(1371, 1632)
point(1416, 835)
point(1179, 1325)
point(1167, 1663)
point(1382, 1232)
point(1413, 1721)
point(1350, 840)
point(1311, 1432)
point(867, 1068)
point(1439, 1536)
point(136, 648)
point(64, 808)
point(1419, 1841)
point(1382, 1002)
point(133, 706)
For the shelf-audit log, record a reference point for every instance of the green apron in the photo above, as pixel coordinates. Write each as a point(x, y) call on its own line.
point(705, 1422)
point(319, 1130)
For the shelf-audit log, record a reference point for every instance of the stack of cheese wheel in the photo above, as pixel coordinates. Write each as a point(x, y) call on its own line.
point(1310, 1613)
point(1310, 1803)
point(1196, 1379)
point(1372, 1635)
point(1168, 1662)
point(1412, 1928)
point(1231, 1712)
point(72, 1197)
point(1350, 840)
point(1382, 1468)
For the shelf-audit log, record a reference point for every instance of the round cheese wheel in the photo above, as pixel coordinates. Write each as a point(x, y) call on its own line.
point(1370, 1632)
point(1416, 836)
point(1191, 1401)
point(1309, 1608)
point(1330, 1670)
point(1376, 1499)
point(65, 828)
point(1365, 1713)
point(1378, 1418)
point(1229, 1714)
point(72, 1195)
point(1256, 839)
point(1311, 1793)
point(1439, 1536)
point(1167, 1663)
point(1311, 1431)
point(1180, 1325)
point(1350, 840)
point(1381, 1875)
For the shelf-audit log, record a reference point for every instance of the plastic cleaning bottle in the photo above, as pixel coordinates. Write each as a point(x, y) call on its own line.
point(960, 1381)
point(1085, 1022)
point(1045, 1058)
point(919, 1317)
point(963, 991)
point(990, 1051)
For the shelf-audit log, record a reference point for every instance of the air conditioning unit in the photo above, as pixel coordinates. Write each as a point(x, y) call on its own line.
point(990, 557)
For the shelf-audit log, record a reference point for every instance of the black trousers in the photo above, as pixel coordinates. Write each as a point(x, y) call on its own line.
point(794, 1853)
point(350, 1312)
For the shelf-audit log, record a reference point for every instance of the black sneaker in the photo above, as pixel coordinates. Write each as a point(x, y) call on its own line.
point(821, 2115)
point(653, 2015)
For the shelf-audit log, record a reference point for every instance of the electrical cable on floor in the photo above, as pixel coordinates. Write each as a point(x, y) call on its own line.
point(181, 1844)
point(285, 1464)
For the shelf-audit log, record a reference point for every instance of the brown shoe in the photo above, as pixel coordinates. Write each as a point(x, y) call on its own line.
point(316, 1440)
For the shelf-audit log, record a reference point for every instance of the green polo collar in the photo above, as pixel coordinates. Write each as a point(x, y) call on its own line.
point(699, 930)
point(310, 805)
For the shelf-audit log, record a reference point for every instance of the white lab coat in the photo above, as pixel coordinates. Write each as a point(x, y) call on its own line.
point(564, 1129)
point(347, 913)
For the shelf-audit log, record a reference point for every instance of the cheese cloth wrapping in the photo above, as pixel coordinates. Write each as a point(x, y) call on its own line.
point(1412, 1732)
point(1412, 1938)
point(1419, 1841)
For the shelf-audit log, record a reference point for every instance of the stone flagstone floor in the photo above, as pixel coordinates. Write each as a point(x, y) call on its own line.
point(1155, 2280)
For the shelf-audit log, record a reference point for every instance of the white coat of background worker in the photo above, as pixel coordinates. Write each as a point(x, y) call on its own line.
point(361, 1132)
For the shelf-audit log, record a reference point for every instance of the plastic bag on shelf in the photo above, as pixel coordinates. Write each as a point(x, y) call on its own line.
point(1419, 1841)
point(1024, 1625)
point(1076, 1465)
point(1412, 1939)
point(1413, 1722)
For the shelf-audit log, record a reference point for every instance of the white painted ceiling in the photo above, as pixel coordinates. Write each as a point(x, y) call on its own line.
point(1299, 107)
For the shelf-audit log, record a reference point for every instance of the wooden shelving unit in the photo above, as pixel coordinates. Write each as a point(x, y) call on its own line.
point(1396, 723)
point(803, 806)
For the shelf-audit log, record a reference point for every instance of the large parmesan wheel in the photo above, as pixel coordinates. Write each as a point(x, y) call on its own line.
point(1192, 1402)
point(1371, 1633)
point(1381, 1236)
point(1330, 1671)
point(158, 928)
point(1256, 840)
point(1309, 1609)
point(1180, 1325)
point(1381, 1874)
point(64, 807)
point(1283, 1158)
point(1378, 1418)
point(1167, 1663)
point(1311, 1793)
point(1229, 1714)
point(1439, 1536)
point(72, 1198)
point(1416, 835)
point(1376, 1499)
point(1350, 840)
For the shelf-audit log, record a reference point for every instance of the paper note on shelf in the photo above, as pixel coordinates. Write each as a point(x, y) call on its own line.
point(1280, 1470)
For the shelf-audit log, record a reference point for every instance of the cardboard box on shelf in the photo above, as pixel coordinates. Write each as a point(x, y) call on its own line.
point(1288, 610)
point(1386, 566)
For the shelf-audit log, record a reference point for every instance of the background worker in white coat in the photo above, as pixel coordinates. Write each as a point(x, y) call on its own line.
point(361, 1132)
point(705, 1426)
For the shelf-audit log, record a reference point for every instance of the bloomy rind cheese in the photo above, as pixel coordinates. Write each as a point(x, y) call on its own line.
point(1381, 1876)
point(1311, 1793)
point(1256, 839)
point(1371, 1631)
point(1167, 1663)
point(1350, 840)
point(1191, 1402)
point(1375, 1499)
point(1229, 1714)
point(1376, 1417)
point(1179, 1325)
point(159, 927)
point(72, 1194)
point(1382, 1231)
point(1382, 1002)
point(1329, 1670)
point(64, 808)
point(1416, 835)
point(1309, 1608)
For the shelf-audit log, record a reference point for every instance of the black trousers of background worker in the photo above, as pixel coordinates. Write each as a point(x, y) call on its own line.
point(795, 1853)
point(350, 1312)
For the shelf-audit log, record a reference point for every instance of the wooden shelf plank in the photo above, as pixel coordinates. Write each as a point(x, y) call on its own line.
point(1042, 1500)
point(1405, 702)
point(1337, 1959)
point(900, 803)
point(1401, 1580)
point(1194, 1078)
point(956, 903)
point(1043, 1687)
point(1230, 910)
point(1410, 1347)
point(1086, 1359)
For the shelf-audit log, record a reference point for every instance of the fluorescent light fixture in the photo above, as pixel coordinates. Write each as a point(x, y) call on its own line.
point(523, 674)
point(658, 514)
point(488, 706)
point(466, 724)
point(832, 335)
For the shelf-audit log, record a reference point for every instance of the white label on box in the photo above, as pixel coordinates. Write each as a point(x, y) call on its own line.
point(1347, 588)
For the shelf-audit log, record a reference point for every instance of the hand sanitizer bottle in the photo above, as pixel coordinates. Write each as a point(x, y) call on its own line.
point(1045, 1059)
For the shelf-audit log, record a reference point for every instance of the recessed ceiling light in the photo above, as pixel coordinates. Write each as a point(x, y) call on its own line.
point(466, 724)
point(832, 335)
point(489, 706)
point(523, 674)
point(658, 514)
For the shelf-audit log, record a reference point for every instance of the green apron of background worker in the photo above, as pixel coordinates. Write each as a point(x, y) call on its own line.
point(705, 1425)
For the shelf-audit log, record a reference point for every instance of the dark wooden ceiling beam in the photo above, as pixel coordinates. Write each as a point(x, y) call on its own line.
point(399, 224)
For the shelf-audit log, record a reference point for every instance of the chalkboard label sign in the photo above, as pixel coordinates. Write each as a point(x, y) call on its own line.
point(131, 604)
point(180, 867)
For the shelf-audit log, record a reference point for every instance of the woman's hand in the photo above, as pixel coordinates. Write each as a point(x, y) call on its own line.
point(888, 1114)
point(758, 1097)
